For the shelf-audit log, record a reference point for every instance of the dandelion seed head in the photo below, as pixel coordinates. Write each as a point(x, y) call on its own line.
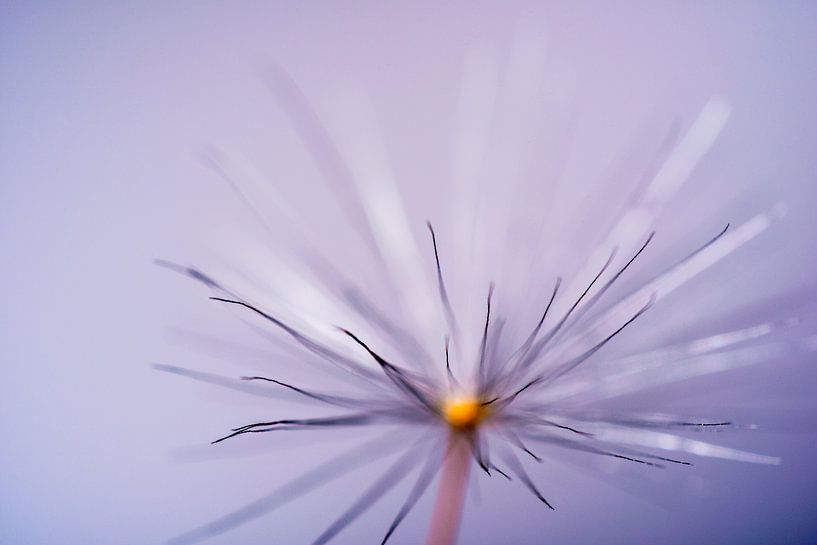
point(460, 381)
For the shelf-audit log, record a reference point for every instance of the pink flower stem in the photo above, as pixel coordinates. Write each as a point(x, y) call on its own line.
point(448, 506)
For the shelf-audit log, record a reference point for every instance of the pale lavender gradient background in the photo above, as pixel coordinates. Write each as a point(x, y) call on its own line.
point(105, 109)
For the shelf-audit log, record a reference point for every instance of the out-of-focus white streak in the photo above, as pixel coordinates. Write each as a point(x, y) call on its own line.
point(518, 117)
point(687, 154)
point(288, 293)
point(723, 340)
point(669, 441)
point(637, 220)
point(376, 184)
point(289, 298)
point(694, 348)
point(676, 169)
point(253, 186)
point(675, 277)
point(519, 107)
point(658, 370)
point(497, 109)
point(288, 289)
point(475, 112)
point(730, 242)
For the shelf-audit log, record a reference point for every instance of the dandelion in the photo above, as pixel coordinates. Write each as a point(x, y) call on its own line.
point(499, 401)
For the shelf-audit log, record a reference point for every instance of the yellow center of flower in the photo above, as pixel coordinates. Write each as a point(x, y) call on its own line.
point(463, 412)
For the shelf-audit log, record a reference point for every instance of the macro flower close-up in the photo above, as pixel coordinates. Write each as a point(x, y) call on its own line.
point(442, 273)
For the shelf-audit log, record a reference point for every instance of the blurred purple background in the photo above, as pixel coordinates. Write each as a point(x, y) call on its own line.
point(108, 108)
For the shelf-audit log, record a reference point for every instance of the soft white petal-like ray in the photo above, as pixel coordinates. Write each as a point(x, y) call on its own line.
point(259, 194)
point(723, 340)
point(669, 441)
point(659, 371)
point(517, 116)
point(598, 327)
point(676, 169)
point(255, 188)
point(696, 347)
point(475, 113)
point(286, 292)
point(362, 145)
point(335, 172)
